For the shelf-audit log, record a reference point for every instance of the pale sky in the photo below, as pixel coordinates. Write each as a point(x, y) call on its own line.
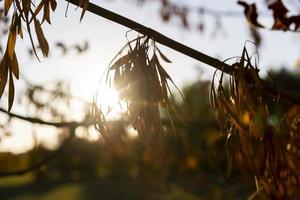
point(106, 39)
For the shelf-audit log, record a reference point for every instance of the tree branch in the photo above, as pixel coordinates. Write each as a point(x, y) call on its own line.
point(164, 40)
point(55, 124)
point(72, 127)
point(44, 161)
point(158, 37)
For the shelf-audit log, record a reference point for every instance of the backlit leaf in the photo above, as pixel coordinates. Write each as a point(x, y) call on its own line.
point(11, 92)
point(14, 66)
point(3, 73)
point(41, 38)
point(7, 5)
point(11, 42)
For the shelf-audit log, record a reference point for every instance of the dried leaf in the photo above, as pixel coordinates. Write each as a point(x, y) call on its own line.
point(11, 92)
point(19, 8)
point(85, 4)
point(41, 38)
point(7, 5)
point(143, 85)
point(163, 56)
point(11, 42)
point(121, 61)
point(250, 13)
point(3, 73)
point(14, 66)
point(46, 13)
point(37, 10)
point(278, 8)
point(281, 21)
point(53, 4)
point(26, 7)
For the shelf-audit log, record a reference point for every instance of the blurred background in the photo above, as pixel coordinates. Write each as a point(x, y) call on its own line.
point(75, 162)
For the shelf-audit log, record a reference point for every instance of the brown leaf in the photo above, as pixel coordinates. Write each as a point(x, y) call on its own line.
point(296, 21)
point(278, 8)
point(3, 73)
point(14, 66)
point(18, 24)
point(26, 7)
point(7, 5)
point(11, 92)
point(85, 4)
point(53, 4)
point(163, 56)
point(11, 42)
point(37, 10)
point(250, 13)
point(46, 13)
point(121, 61)
point(281, 21)
point(41, 38)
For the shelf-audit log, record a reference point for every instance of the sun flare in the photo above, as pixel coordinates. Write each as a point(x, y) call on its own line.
point(109, 102)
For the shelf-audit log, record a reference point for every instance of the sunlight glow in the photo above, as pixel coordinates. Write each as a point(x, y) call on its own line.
point(90, 134)
point(132, 133)
point(109, 102)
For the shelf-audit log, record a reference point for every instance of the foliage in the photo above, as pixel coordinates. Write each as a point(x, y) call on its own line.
point(257, 143)
point(134, 74)
point(282, 19)
point(28, 13)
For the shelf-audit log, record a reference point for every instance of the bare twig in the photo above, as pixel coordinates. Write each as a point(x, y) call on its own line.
point(55, 124)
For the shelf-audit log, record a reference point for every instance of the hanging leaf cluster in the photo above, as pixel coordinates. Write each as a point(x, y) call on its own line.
point(255, 143)
point(143, 84)
point(250, 12)
point(282, 19)
point(25, 15)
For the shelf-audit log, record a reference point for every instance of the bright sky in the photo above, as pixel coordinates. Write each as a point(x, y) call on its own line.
point(106, 38)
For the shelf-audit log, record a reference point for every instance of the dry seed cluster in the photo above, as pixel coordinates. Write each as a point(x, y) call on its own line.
point(271, 153)
point(142, 82)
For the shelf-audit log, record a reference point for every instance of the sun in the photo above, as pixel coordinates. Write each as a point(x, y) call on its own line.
point(109, 101)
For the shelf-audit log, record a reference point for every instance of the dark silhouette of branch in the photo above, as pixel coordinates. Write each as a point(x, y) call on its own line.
point(44, 161)
point(72, 127)
point(158, 37)
point(164, 40)
point(55, 124)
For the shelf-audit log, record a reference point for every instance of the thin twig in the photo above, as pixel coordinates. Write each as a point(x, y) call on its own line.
point(43, 122)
